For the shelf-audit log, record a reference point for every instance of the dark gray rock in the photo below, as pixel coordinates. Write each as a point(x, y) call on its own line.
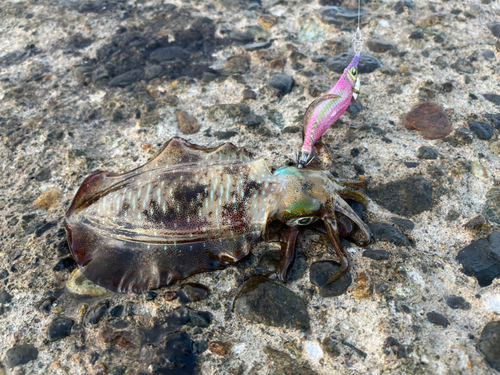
point(494, 98)
point(20, 355)
point(276, 118)
point(282, 83)
point(437, 319)
point(269, 261)
point(483, 130)
point(416, 35)
point(427, 153)
point(258, 45)
point(410, 196)
point(169, 54)
point(404, 224)
point(320, 272)
point(67, 263)
point(153, 71)
point(43, 175)
point(457, 302)
point(376, 254)
point(355, 108)
point(223, 135)
point(367, 63)
point(494, 118)
point(488, 54)
point(261, 300)
point(380, 46)
point(385, 232)
point(495, 29)
point(240, 37)
point(491, 208)
point(5, 298)
point(59, 328)
point(481, 259)
point(126, 79)
point(192, 292)
point(249, 94)
point(463, 66)
point(96, 313)
point(45, 227)
point(489, 342)
point(208, 77)
point(318, 58)
point(335, 15)
point(252, 120)
point(399, 7)
point(117, 311)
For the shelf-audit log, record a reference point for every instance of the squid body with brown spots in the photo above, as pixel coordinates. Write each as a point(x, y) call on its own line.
point(192, 209)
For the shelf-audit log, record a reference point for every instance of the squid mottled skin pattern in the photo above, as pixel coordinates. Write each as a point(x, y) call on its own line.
point(192, 209)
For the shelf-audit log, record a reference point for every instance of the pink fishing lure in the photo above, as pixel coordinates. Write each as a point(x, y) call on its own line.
point(324, 111)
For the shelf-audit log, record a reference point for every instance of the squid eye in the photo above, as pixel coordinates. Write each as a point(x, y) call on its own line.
point(302, 221)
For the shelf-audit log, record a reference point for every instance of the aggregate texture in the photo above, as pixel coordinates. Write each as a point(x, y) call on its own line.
point(101, 85)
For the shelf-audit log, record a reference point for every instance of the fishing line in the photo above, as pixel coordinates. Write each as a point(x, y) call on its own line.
point(358, 41)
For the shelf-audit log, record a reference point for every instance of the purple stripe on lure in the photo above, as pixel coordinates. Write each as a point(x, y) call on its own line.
point(324, 111)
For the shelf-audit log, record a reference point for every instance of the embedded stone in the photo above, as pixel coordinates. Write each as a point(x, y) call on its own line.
point(429, 119)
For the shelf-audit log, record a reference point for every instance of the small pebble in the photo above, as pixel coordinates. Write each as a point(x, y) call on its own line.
point(385, 232)
point(192, 293)
point(416, 35)
point(489, 341)
point(457, 302)
point(48, 199)
point(219, 348)
point(407, 197)
point(257, 45)
point(437, 319)
point(151, 296)
point(367, 63)
point(427, 153)
point(267, 20)
point(404, 224)
point(59, 328)
point(380, 46)
point(477, 223)
point(282, 83)
point(364, 288)
point(187, 123)
point(483, 130)
point(482, 173)
point(376, 254)
point(429, 119)
point(20, 355)
point(318, 58)
point(495, 29)
point(431, 20)
point(126, 79)
point(488, 54)
point(320, 272)
point(238, 64)
point(249, 94)
point(479, 260)
point(494, 98)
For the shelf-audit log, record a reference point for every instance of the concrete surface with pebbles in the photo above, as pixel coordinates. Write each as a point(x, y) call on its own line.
point(101, 85)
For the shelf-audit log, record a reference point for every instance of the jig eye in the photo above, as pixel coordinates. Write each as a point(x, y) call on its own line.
point(354, 72)
point(302, 221)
